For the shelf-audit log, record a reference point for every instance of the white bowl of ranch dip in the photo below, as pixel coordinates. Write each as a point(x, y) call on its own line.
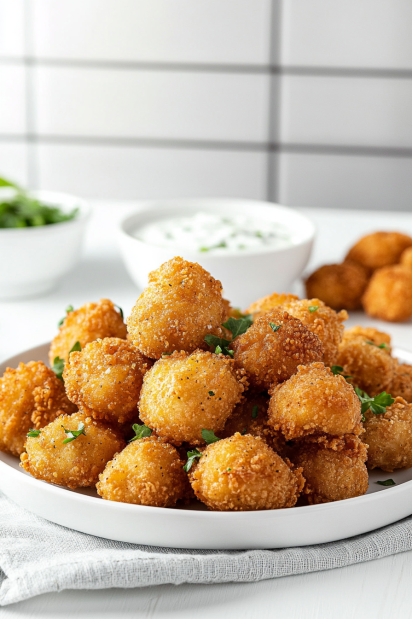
point(254, 248)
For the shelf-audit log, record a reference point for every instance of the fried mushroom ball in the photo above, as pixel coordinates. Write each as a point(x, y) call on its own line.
point(315, 401)
point(29, 395)
point(389, 294)
point(370, 334)
point(333, 472)
point(406, 258)
point(389, 437)
point(183, 394)
point(74, 464)
point(181, 305)
point(242, 473)
point(370, 367)
point(273, 347)
point(87, 324)
point(340, 286)
point(105, 379)
point(379, 249)
point(401, 385)
point(148, 471)
point(323, 322)
point(270, 302)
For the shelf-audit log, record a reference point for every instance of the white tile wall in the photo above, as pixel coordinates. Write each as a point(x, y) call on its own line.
point(12, 28)
point(12, 99)
point(347, 33)
point(128, 173)
point(207, 31)
point(13, 161)
point(155, 104)
point(346, 110)
point(340, 181)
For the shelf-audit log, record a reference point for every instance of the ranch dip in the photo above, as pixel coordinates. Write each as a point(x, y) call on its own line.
point(215, 234)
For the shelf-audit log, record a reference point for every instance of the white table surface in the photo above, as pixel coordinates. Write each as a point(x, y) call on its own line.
point(378, 589)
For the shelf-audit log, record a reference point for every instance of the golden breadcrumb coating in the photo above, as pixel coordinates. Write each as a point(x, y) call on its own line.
point(270, 302)
point(389, 294)
point(379, 249)
point(181, 305)
point(18, 407)
point(271, 354)
point(370, 367)
point(74, 464)
point(87, 324)
point(323, 322)
point(314, 401)
point(389, 437)
point(242, 473)
point(50, 401)
point(401, 385)
point(148, 471)
point(380, 338)
point(332, 472)
point(340, 286)
point(183, 394)
point(406, 258)
point(105, 379)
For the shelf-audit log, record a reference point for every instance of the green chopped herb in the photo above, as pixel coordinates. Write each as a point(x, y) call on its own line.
point(209, 436)
point(217, 342)
point(34, 433)
point(191, 455)
point(313, 308)
point(255, 411)
point(274, 327)
point(218, 350)
point(377, 405)
point(140, 431)
point(238, 326)
point(76, 347)
point(58, 367)
point(166, 354)
point(244, 432)
point(120, 311)
point(211, 393)
point(228, 470)
point(231, 353)
point(386, 482)
point(337, 371)
point(383, 345)
point(69, 309)
point(73, 434)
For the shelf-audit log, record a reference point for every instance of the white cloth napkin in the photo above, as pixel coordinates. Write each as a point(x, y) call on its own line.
point(37, 557)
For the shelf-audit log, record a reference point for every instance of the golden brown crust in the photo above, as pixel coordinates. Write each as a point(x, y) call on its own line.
point(370, 334)
point(270, 302)
point(314, 401)
point(401, 385)
point(389, 294)
point(242, 473)
point(181, 305)
point(406, 257)
point(271, 357)
point(340, 286)
point(87, 324)
point(50, 401)
point(379, 249)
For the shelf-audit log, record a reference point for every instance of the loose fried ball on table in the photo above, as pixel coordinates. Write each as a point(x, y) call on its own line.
point(340, 286)
point(148, 471)
point(389, 437)
point(87, 324)
point(389, 294)
point(105, 379)
point(181, 305)
point(401, 385)
point(23, 403)
point(406, 258)
point(76, 463)
point(270, 302)
point(323, 322)
point(242, 473)
point(273, 347)
point(183, 394)
point(333, 471)
point(379, 249)
point(314, 401)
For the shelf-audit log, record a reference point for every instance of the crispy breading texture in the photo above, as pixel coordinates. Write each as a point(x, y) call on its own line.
point(389, 437)
point(183, 394)
point(181, 305)
point(332, 472)
point(406, 258)
point(23, 395)
point(389, 294)
point(271, 354)
point(323, 322)
point(370, 367)
point(74, 464)
point(379, 249)
point(370, 334)
point(242, 473)
point(270, 302)
point(340, 286)
point(314, 401)
point(105, 379)
point(148, 471)
point(401, 385)
point(87, 324)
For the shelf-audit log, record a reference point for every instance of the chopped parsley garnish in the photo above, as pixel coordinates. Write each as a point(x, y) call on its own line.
point(120, 311)
point(377, 405)
point(274, 327)
point(255, 411)
point(313, 308)
point(191, 455)
point(34, 433)
point(73, 434)
point(231, 353)
point(221, 245)
point(211, 393)
point(58, 367)
point(209, 436)
point(76, 347)
point(218, 350)
point(140, 431)
point(228, 470)
point(244, 432)
point(69, 309)
point(383, 345)
point(166, 354)
point(386, 482)
point(237, 326)
point(337, 371)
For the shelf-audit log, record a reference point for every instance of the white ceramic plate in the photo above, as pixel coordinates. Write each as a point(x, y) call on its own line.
point(194, 526)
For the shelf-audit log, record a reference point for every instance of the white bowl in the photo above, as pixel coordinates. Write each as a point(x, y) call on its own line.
point(245, 277)
point(35, 259)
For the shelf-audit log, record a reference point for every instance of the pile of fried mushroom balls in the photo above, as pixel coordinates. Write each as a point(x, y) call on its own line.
point(376, 275)
point(194, 400)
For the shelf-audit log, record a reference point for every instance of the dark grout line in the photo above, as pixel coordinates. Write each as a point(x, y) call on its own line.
point(32, 165)
point(274, 120)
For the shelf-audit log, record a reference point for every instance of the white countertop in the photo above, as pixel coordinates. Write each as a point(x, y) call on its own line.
point(379, 589)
